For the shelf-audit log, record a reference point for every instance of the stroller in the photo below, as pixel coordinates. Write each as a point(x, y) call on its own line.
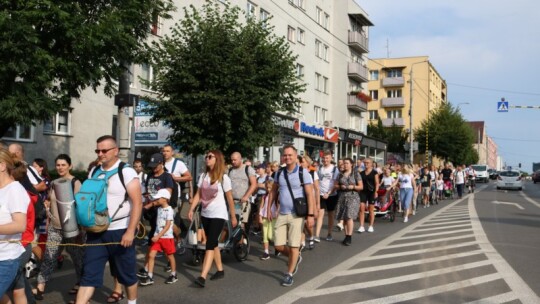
point(231, 239)
point(448, 191)
point(386, 204)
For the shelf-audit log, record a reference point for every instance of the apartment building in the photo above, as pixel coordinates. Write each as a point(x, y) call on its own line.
point(484, 145)
point(331, 41)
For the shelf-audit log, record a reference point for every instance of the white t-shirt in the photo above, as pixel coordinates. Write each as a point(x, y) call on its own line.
point(218, 206)
point(13, 199)
point(388, 181)
point(460, 177)
point(164, 215)
point(115, 196)
point(440, 184)
point(405, 180)
point(327, 177)
point(179, 170)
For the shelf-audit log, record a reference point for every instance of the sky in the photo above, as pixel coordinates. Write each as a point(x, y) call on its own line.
point(485, 50)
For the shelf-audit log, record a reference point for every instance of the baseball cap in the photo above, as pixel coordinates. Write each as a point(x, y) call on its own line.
point(162, 193)
point(156, 159)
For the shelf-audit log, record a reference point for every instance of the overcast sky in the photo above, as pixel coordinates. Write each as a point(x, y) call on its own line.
point(485, 50)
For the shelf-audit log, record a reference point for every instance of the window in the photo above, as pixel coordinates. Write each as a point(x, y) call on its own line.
point(319, 16)
point(264, 16)
point(146, 76)
point(301, 4)
point(301, 36)
point(299, 70)
point(393, 114)
point(318, 48)
point(374, 94)
point(325, 52)
point(393, 93)
point(318, 81)
point(325, 85)
point(251, 10)
point(157, 25)
point(393, 73)
point(291, 33)
point(20, 132)
point(326, 21)
point(59, 123)
point(132, 75)
point(324, 114)
point(317, 111)
point(373, 114)
point(374, 75)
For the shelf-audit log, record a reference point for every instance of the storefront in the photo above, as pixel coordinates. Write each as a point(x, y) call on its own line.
point(286, 135)
point(317, 139)
point(357, 145)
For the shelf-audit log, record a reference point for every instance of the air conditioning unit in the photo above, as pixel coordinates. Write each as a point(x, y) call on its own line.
point(328, 123)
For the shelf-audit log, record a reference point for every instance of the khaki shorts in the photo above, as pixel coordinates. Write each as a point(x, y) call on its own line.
point(288, 230)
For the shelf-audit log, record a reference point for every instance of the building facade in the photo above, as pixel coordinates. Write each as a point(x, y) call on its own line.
point(331, 39)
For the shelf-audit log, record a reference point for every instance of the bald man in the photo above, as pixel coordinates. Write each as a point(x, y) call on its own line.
point(244, 184)
point(32, 174)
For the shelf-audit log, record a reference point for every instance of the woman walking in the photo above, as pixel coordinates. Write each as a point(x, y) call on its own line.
point(214, 193)
point(406, 190)
point(368, 195)
point(349, 183)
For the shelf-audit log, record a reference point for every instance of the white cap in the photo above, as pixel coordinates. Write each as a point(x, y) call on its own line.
point(162, 193)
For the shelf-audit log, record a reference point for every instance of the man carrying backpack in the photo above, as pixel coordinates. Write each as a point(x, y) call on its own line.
point(244, 185)
point(123, 186)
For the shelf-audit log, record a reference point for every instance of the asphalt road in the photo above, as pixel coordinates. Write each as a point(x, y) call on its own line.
point(480, 249)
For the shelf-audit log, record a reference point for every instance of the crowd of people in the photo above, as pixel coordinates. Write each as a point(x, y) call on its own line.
point(285, 202)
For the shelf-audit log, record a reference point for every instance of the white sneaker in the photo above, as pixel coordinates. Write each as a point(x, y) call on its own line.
point(406, 219)
point(361, 229)
point(414, 212)
point(340, 226)
point(370, 229)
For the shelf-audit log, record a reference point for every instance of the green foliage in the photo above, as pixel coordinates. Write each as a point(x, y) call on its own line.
point(52, 50)
point(394, 135)
point(220, 80)
point(450, 136)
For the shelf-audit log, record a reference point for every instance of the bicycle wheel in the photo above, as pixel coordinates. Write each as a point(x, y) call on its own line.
point(241, 250)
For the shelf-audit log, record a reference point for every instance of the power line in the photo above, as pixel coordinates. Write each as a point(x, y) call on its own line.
point(515, 139)
point(491, 89)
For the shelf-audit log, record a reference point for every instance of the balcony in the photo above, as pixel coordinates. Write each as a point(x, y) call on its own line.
point(392, 102)
point(388, 122)
point(358, 41)
point(357, 72)
point(393, 82)
point(356, 104)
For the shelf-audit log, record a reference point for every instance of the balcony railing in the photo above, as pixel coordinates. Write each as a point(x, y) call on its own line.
point(393, 82)
point(388, 122)
point(357, 72)
point(356, 104)
point(390, 102)
point(358, 41)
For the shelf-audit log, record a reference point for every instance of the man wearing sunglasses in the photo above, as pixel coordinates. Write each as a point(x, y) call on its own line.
point(122, 257)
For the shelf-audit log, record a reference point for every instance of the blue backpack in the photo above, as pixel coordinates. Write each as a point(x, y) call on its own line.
point(91, 200)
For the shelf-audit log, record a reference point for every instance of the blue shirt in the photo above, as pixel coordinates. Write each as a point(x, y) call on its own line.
point(285, 200)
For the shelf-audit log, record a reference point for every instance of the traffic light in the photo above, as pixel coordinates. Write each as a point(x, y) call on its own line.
point(519, 165)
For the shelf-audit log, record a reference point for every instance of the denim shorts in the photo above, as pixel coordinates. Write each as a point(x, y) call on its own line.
point(122, 259)
point(406, 197)
point(8, 269)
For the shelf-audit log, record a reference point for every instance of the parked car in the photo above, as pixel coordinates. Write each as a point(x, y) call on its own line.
point(493, 174)
point(509, 179)
point(536, 176)
point(481, 173)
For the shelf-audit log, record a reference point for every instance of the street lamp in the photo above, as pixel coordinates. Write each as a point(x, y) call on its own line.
point(462, 103)
point(411, 139)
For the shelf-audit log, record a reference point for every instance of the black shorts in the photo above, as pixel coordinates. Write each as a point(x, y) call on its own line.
point(367, 197)
point(330, 203)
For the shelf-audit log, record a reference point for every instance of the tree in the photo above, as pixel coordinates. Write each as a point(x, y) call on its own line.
point(450, 136)
point(52, 50)
point(220, 81)
point(394, 135)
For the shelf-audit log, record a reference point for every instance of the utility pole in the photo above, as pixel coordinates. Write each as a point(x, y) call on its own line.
point(124, 101)
point(411, 148)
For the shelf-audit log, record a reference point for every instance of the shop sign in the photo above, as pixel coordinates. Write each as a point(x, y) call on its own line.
point(284, 122)
point(313, 131)
point(331, 135)
point(355, 138)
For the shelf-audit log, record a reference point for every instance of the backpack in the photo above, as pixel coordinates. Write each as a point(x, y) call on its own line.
point(173, 202)
point(38, 200)
point(91, 200)
point(183, 185)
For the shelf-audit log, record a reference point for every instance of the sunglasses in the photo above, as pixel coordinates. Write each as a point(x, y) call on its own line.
point(209, 156)
point(103, 151)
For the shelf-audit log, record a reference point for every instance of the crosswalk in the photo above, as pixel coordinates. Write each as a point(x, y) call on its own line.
point(443, 258)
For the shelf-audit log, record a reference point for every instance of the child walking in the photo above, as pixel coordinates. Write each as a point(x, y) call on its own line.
point(268, 226)
point(163, 239)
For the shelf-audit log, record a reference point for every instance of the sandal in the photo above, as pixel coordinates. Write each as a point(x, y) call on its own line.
point(115, 297)
point(74, 290)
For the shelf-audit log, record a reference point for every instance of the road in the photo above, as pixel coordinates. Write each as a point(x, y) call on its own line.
point(480, 249)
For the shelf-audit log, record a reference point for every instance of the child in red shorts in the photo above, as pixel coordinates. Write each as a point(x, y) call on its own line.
point(163, 239)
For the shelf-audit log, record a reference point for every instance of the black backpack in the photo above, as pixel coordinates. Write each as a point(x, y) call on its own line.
point(173, 202)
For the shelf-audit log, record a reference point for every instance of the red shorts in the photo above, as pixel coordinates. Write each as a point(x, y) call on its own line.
point(165, 245)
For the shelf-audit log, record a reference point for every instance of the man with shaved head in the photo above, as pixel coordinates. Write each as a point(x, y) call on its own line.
point(33, 175)
point(244, 184)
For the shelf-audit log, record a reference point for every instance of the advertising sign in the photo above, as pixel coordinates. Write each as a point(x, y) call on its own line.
point(149, 133)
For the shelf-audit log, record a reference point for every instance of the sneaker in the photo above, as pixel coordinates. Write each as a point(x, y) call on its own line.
point(317, 239)
point(361, 229)
point(329, 238)
point(370, 229)
point(287, 281)
point(142, 273)
point(302, 246)
point(168, 268)
point(265, 256)
point(277, 253)
point(146, 281)
point(297, 264)
point(406, 219)
point(200, 281)
point(340, 226)
point(180, 247)
point(171, 279)
point(414, 212)
point(311, 244)
point(218, 275)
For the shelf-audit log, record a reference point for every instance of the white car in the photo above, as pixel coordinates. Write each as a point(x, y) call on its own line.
point(482, 174)
point(509, 179)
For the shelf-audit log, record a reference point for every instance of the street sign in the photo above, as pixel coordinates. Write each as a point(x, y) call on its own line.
point(502, 106)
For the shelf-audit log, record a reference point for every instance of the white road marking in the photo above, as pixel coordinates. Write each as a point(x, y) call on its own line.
point(421, 229)
point(429, 241)
point(431, 224)
point(435, 234)
point(530, 200)
point(501, 298)
point(508, 203)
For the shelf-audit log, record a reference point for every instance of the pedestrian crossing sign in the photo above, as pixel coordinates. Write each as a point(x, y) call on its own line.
point(502, 106)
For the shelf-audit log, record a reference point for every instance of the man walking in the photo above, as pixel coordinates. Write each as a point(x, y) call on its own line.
point(121, 229)
point(328, 174)
point(244, 184)
point(292, 182)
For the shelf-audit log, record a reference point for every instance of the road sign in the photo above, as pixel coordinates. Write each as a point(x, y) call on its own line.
point(502, 106)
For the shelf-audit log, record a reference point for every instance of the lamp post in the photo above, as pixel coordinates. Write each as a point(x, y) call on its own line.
point(462, 103)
